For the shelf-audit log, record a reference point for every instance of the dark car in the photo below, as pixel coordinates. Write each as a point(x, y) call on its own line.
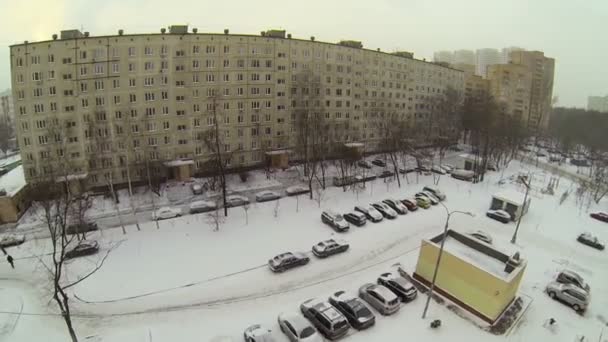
point(370, 212)
point(364, 164)
point(407, 170)
point(396, 205)
point(410, 204)
point(385, 174)
point(571, 277)
point(499, 215)
point(356, 218)
point(400, 286)
point(330, 247)
point(356, 312)
point(327, 319)
point(80, 228)
point(379, 162)
point(82, 249)
point(591, 241)
point(11, 240)
point(385, 210)
point(600, 216)
point(285, 261)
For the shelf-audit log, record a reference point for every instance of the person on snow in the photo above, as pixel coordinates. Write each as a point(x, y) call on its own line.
point(10, 261)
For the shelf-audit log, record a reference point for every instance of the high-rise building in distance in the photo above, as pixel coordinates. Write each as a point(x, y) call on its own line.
point(485, 57)
point(598, 103)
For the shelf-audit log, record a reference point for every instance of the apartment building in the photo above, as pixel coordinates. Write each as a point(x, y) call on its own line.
point(510, 85)
point(485, 57)
point(542, 69)
point(6, 107)
point(107, 106)
point(598, 103)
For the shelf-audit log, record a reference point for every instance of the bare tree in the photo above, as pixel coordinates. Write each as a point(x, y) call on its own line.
point(214, 218)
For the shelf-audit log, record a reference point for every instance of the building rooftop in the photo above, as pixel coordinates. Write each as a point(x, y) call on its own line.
point(13, 181)
point(511, 196)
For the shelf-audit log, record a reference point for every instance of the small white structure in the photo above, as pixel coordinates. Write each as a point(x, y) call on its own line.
point(512, 202)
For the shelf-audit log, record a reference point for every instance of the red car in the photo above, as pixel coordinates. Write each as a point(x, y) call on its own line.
point(600, 216)
point(410, 204)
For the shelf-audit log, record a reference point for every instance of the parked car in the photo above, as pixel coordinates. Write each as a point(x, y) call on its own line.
point(410, 204)
point(10, 240)
point(569, 294)
point(407, 170)
point(286, 261)
point(591, 241)
point(396, 205)
point(335, 220)
point(434, 199)
point(499, 215)
point(424, 168)
point(356, 218)
point(258, 333)
point(197, 189)
point(297, 328)
point(364, 164)
point(491, 166)
point(370, 212)
point(297, 190)
point(423, 202)
point(438, 170)
point(354, 309)
point(379, 162)
point(400, 286)
point(385, 210)
point(85, 247)
point(329, 247)
point(380, 298)
point(571, 277)
point(365, 178)
point(600, 216)
point(430, 198)
point(236, 201)
point(202, 207)
point(435, 192)
point(327, 319)
point(386, 174)
point(265, 196)
point(79, 228)
point(541, 154)
point(461, 174)
point(167, 213)
point(447, 167)
point(481, 236)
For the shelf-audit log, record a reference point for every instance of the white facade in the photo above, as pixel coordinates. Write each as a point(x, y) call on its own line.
point(485, 57)
point(464, 57)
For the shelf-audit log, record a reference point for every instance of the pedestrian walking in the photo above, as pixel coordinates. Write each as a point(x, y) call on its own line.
point(9, 258)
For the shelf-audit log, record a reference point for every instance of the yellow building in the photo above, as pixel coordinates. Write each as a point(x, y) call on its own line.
point(472, 274)
point(13, 201)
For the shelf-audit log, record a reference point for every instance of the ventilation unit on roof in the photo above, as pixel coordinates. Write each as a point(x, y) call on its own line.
point(178, 29)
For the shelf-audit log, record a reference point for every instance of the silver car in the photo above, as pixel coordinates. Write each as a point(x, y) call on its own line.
point(569, 294)
point(297, 328)
point(380, 298)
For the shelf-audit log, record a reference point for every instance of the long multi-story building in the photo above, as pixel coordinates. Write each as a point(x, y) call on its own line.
point(598, 103)
point(510, 85)
point(110, 104)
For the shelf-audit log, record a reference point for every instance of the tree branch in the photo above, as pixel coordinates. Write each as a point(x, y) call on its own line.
point(99, 265)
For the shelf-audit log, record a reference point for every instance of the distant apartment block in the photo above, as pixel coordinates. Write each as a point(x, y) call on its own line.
point(7, 112)
point(110, 105)
point(510, 85)
point(485, 57)
point(598, 103)
point(464, 57)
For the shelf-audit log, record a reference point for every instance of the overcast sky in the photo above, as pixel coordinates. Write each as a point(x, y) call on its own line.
point(572, 32)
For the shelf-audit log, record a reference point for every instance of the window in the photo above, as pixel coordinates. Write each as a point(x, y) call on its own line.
point(195, 64)
point(131, 82)
point(98, 84)
point(166, 125)
point(131, 51)
point(163, 50)
point(148, 51)
point(148, 81)
point(135, 128)
point(255, 77)
point(116, 83)
point(83, 87)
point(149, 97)
point(210, 63)
point(36, 76)
point(148, 65)
point(151, 126)
point(98, 69)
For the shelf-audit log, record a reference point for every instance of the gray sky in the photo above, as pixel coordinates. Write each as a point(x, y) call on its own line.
point(572, 32)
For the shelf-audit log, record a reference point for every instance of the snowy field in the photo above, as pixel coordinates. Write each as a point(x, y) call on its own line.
point(185, 282)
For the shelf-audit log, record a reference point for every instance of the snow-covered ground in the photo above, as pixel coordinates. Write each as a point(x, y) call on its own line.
point(185, 282)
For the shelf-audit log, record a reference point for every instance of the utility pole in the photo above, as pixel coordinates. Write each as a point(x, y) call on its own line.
point(514, 238)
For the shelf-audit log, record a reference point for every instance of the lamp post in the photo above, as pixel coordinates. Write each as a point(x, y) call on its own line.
point(445, 231)
point(514, 238)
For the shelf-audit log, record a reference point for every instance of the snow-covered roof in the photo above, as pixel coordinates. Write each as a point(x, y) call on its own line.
point(270, 153)
point(13, 181)
point(354, 144)
point(10, 160)
point(174, 163)
point(75, 176)
point(510, 196)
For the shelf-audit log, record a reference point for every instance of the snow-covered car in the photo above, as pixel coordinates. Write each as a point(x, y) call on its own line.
point(423, 202)
point(591, 241)
point(601, 216)
point(447, 167)
point(288, 260)
point(298, 328)
point(571, 277)
point(10, 240)
point(379, 162)
point(202, 207)
point(197, 189)
point(399, 285)
point(364, 164)
point(354, 309)
point(297, 190)
point(236, 201)
point(327, 319)
point(370, 212)
point(85, 247)
point(435, 191)
point(356, 218)
point(396, 205)
point(380, 298)
point(167, 213)
point(438, 170)
point(461, 174)
point(265, 196)
point(410, 204)
point(80, 228)
point(434, 200)
point(334, 220)
point(385, 174)
point(385, 210)
point(258, 333)
point(329, 247)
point(569, 294)
point(481, 236)
point(499, 215)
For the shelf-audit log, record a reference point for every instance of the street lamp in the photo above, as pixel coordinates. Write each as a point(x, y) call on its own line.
point(445, 231)
point(528, 184)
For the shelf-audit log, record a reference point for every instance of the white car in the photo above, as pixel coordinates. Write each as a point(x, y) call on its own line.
point(265, 196)
point(9, 240)
point(197, 189)
point(499, 215)
point(435, 192)
point(297, 328)
point(447, 167)
point(167, 213)
point(481, 236)
point(438, 169)
point(236, 200)
point(258, 333)
point(370, 212)
point(202, 207)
